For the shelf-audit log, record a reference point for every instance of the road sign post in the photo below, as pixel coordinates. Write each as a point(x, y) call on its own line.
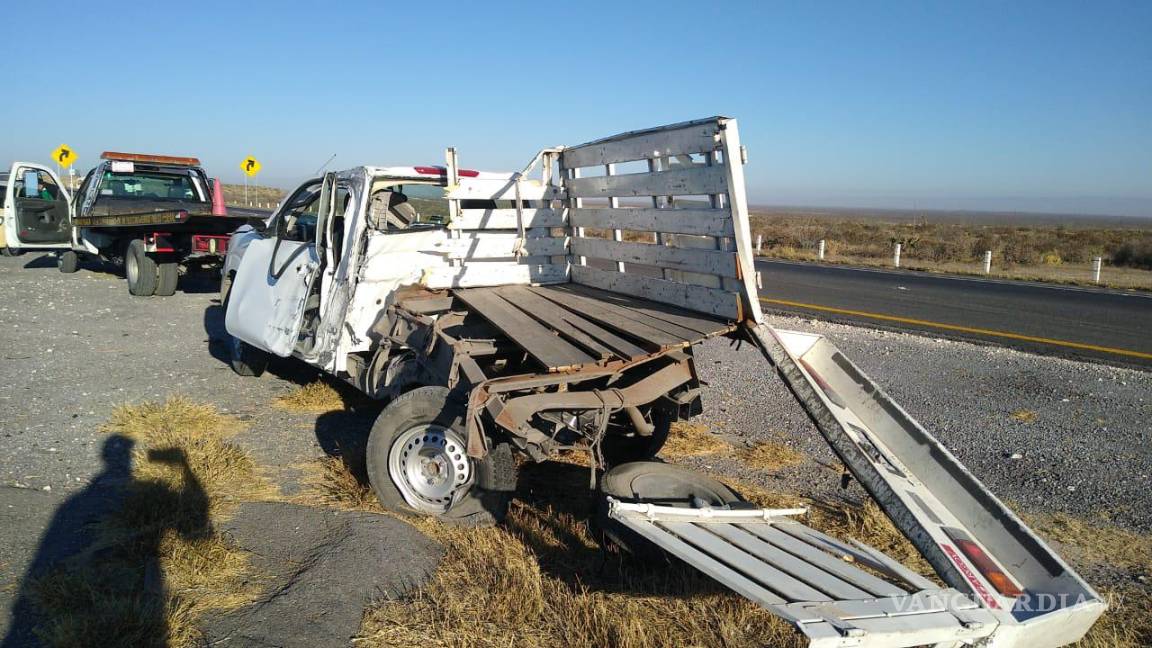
point(896, 256)
point(64, 156)
point(987, 261)
point(250, 166)
point(1096, 263)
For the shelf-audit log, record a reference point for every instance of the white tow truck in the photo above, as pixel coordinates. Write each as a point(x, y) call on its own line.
point(153, 214)
point(558, 308)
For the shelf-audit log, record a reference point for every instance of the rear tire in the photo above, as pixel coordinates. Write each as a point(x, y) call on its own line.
point(140, 270)
point(418, 463)
point(68, 262)
point(11, 251)
point(168, 274)
point(656, 483)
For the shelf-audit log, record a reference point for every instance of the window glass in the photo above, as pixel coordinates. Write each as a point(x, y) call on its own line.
point(298, 217)
point(429, 202)
point(147, 185)
point(31, 183)
point(400, 207)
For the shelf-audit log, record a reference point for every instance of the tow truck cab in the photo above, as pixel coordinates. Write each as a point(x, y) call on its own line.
point(158, 215)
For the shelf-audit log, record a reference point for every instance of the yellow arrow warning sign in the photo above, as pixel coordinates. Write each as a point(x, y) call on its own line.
point(64, 155)
point(250, 165)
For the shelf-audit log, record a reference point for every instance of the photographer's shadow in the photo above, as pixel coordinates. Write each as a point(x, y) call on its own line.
point(96, 578)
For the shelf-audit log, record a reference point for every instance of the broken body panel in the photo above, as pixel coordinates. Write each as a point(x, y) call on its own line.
point(565, 306)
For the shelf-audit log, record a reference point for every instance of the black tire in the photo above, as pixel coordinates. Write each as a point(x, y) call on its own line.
point(225, 288)
point(656, 483)
point(247, 360)
point(491, 480)
point(68, 262)
point(168, 274)
point(620, 449)
point(11, 251)
point(140, 270)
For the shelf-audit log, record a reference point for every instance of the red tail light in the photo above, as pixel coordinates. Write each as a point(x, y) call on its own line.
point(987, 568)
point(438, 170)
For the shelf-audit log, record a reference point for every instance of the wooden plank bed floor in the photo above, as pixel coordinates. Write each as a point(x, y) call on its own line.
point(568, 326)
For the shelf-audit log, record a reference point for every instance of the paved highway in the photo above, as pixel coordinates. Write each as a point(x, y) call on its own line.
point(1115, 326)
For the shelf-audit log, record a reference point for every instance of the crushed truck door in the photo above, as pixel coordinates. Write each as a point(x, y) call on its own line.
point(273, 284)
point(37, 209)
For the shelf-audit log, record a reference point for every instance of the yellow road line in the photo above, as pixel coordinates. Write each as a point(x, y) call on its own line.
point(961, 329)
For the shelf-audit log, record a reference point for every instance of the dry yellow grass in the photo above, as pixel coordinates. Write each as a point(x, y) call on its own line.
point(316, 397)
point(330, 481)
point(770, 455)
point(1024, 416)
point(156, 565)
point(692, 440)
point(1096, 541)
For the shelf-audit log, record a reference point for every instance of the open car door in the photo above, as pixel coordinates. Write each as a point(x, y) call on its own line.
point(273, 287)
point(37, 209)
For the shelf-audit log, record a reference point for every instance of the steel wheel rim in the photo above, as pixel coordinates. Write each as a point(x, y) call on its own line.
point(430, 467)
point(132, 269)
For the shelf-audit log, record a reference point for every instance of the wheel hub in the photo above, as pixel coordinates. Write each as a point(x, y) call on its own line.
point(430, 467)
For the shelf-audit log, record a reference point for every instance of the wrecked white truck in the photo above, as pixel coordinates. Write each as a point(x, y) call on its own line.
point(558, 308)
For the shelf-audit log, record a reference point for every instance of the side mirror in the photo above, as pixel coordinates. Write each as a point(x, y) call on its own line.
point(258, 224)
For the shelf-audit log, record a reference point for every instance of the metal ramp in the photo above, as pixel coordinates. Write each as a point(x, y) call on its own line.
point(810, 579)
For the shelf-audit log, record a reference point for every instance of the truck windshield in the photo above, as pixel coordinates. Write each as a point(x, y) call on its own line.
point(148, 185)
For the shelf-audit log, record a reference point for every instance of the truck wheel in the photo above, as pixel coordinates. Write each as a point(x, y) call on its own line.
point(167, 276)
point(140, 270)
point(225, 288)
point(629, 446)
point(247, 360)
point(656, 483)
point(418, 462)
point(68, 262)
point(11, 251)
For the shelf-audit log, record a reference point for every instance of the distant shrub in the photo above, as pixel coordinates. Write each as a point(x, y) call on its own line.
point(1051, 259)
point(1134, 255)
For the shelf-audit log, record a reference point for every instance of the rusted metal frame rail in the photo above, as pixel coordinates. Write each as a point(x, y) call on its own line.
point(491, 394)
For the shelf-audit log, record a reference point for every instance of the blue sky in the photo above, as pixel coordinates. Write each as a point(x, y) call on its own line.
point(985, 105)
